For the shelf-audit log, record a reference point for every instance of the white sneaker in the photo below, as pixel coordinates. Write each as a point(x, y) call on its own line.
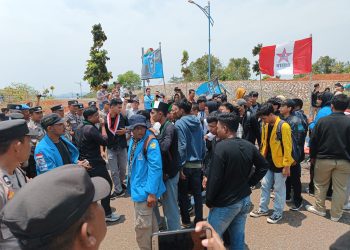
point(347, 206)
point(313, 210)
point(113, 217)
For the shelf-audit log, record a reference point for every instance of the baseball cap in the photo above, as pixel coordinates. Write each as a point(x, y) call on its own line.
point(137, 120)
point(51, 119)
point(62, 196)
point(13, 129)
point(14, 106)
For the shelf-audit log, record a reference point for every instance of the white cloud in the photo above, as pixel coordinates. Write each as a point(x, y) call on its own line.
point(48, 42)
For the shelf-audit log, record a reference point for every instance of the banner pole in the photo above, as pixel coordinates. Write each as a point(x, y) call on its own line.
point(161, 56)
point(143, 81)
point(261, 88)
point(310, 89)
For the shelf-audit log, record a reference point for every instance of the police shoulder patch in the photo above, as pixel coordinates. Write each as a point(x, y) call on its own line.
point(153, 145)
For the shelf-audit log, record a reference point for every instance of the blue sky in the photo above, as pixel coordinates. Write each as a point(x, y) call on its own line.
point(47, 42)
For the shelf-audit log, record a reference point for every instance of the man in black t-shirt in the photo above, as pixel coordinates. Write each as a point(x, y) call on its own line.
point(231, 174)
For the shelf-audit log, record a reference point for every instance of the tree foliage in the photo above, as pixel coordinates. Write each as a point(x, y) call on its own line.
point(96, 71)
point(255, 52)
point(199, 68)
point(130, 80)
point(186, 72)
point(329, 65)
point(18, 92)
point(175, 79)
point(237, 69)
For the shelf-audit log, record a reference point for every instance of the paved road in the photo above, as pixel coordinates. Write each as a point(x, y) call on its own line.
point(297, 230)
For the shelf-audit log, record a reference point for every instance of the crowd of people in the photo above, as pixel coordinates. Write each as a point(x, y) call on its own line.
point(180, 152)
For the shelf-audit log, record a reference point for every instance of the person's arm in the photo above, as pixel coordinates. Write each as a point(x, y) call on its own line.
point(256, 129)
point(181, 145)
point(313, 143)
point(215, 177)
point(43, 162)
point(124, 110)
point(166, 141)
point(96, 137)
point(261, 167)
point(287, 147)
point(155, 169)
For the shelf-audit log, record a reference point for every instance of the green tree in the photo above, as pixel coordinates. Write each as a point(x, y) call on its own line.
point(186, 72)
point(18, 92)
point(255, 52)
point(96, 71)
point(199, 68)
point(130, 80)
point(237, 69)
point(324, 65)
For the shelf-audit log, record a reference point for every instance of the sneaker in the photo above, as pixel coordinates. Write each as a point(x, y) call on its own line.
point(117, 195)
point(274, 218)
point(335, 219)
point(347, 206)
point(258, 213)
point(113, 217)
point(296, 207)
point(313, 210)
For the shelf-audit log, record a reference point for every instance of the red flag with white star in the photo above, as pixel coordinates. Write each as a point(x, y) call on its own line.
point(287, 59)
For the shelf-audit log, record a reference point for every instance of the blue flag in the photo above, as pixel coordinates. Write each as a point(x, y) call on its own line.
point(152, 65)
point(209, 88)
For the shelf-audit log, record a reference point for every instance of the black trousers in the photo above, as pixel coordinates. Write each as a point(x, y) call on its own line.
point(192, 182)
point(101, 171)
point(294, 181)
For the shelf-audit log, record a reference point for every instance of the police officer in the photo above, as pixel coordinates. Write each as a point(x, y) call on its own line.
point(34, 124)
point(14, 150)
point(58, 109)
point(80, 113)
point(72, 120)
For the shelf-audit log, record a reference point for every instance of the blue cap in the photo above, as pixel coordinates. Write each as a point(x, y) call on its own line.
point(137, 120)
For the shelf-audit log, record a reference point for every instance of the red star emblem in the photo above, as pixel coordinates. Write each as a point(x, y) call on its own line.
point(284, 56)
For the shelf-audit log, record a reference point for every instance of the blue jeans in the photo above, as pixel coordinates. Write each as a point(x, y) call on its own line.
point(278, 182)
point(233, 218)
point(170, 203)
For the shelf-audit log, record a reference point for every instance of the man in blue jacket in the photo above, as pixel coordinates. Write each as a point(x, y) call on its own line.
point(145, 180)
point(54, 150)
point(191, 151)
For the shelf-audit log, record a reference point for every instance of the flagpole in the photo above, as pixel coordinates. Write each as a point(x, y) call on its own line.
point(143, 81)
point(161, 56)
point(261, 88)
point(310, 88)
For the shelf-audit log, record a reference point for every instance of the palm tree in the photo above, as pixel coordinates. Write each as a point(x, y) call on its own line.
point(52, 89)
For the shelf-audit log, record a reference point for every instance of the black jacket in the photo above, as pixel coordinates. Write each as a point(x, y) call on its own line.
point(168, 142)
point(231, 172)
point(89, 139)
point(117, 141)
point(331, 137)
point(251, 128)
